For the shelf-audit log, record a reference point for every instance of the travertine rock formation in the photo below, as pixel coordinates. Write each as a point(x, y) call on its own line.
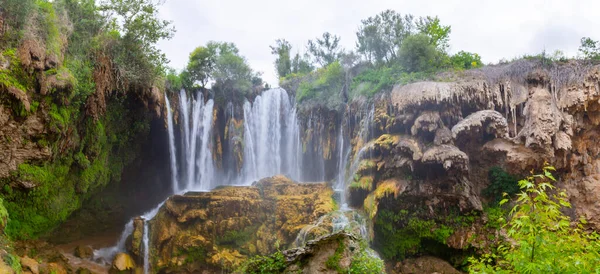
point(219, 229)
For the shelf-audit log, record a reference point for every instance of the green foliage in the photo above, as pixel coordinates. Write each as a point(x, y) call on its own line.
point(590, 49)
point(301, 65)
point(501, 182)
point(380, 37)
point(333, 262)
point(544, 240)
point(65, 182)
point(325, 50)
point(400, 234)
point(194, 254)
point(439, 35)
point(174, 81)
point(466, 60)
point(201, 64)
point(374, 80)
point(237, 238)
point(221, 62)
point(3, 216)
point(283, 63)
point(326, 88)
point(418, 54)
point(16, 14)
point(264, 264)
point(136, 55)
point(49, 21)
point(15, 76)
point(366, 263)
point(13, 261)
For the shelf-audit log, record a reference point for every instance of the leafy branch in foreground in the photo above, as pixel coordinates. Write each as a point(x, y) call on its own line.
point(541, 237)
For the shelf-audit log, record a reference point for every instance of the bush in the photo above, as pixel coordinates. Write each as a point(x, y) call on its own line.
point(500, 182)
point(542, 238)
point(417, 54)
point(365, 262)
point(325, 87)
point(264, 264)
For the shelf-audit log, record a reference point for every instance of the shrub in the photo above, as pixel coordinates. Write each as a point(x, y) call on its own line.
point(500, 182)
point(325, 87)
point(542, 238)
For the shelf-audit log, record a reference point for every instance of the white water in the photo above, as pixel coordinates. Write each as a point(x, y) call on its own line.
point(341, 181)
point(272, 145)
point(106, 254)
point(272, 138)
point(196, 144)
point(172, 152)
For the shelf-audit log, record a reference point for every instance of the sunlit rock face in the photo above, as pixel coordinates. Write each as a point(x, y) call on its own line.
point(219, 229)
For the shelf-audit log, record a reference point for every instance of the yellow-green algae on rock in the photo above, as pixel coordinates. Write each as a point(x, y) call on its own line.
point(220, 229)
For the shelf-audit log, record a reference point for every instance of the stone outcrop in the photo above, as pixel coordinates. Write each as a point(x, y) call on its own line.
point(17, 144)
point(219, 229)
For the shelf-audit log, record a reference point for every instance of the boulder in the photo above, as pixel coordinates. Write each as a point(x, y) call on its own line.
point(30, 264)
point(123, 262)
point(214, 230)
point(84, 252)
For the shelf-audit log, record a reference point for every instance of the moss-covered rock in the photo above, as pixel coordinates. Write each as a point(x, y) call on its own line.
point(333, 253)
point(220, 229)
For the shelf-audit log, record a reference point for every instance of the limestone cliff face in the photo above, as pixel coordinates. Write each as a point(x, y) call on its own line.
point(505, 117)
point(219, 229)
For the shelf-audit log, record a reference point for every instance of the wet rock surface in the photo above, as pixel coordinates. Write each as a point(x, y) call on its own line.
point(219, 229)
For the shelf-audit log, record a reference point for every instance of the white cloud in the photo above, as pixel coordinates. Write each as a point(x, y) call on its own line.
point(494, 29)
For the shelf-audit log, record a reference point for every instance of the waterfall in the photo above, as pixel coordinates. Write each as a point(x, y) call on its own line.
point(196, 144)
point(106, 254)
point(272, 138)
point(146, 246)
point(173, 158)
point(340, 183)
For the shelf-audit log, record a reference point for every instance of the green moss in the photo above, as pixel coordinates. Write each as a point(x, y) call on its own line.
point(362, 182)
point(237, 238)
point(333, 262)
point(13, 262)
point(63, 183)
point(3, 215)
point(264, 264)
point(401, 234)
point(194, 254)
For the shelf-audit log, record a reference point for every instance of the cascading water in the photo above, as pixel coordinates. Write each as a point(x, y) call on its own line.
point(271, 145)
point(172, 151)
point(272, 138)
point(343, 154)
point(199, 167)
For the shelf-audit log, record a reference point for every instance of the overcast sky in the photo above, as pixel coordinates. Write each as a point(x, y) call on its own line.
point(495, 29)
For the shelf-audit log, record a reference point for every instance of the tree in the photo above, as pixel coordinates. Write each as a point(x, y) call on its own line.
point(590, 48)
point(301, 64)
point(417, 54)
point(542, 238)
point(380, 37)
point(466, 60)
point(439, 35)
point(325, 50)
point(137, 57)
point(283, 63)
point(201, 65)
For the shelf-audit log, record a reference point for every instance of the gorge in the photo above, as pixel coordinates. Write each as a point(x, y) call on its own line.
point(397, 156)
